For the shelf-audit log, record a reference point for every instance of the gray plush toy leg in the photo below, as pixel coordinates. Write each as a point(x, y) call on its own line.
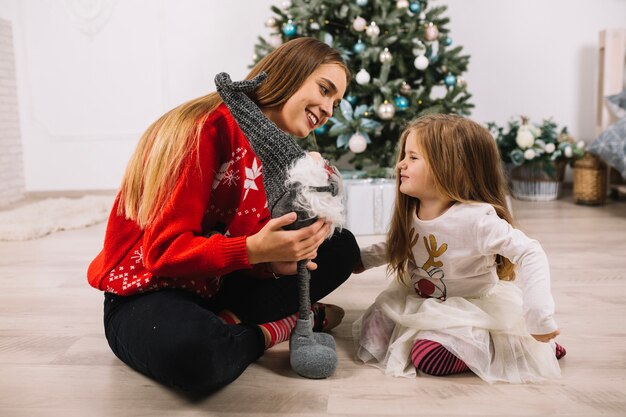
point(312, 355)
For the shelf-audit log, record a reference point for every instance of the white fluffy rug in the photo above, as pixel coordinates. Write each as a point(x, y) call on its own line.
point(40, 218)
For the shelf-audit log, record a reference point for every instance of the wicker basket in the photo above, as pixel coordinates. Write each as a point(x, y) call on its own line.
point(590, 187)
point(537, 182)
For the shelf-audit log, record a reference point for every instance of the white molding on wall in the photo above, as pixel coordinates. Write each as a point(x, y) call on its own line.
point(90, 20)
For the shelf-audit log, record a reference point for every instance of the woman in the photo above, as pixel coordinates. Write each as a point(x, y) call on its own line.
point(190, 254)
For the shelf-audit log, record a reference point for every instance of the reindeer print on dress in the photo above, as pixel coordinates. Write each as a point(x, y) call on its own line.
point(434, 286)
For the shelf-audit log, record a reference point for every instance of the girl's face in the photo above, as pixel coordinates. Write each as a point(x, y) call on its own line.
point(415, 176)
point(312, 104)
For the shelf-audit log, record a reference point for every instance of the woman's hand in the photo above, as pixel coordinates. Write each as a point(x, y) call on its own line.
point(289, 268)
point(273, 244)
point(545, 338)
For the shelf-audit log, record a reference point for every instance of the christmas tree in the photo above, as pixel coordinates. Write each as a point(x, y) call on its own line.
point(405, 65)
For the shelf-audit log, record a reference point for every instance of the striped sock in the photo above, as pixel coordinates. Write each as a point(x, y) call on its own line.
point(279, 330)
point(434, 359)
point(560, 351)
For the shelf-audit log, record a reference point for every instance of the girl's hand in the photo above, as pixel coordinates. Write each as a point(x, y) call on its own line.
point(273, 244)
point(545, 338)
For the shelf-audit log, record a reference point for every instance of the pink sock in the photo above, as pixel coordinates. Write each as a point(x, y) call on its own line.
point(432, 358)
point(560, 351)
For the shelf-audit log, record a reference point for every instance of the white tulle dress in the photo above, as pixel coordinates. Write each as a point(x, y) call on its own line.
point(455, 298)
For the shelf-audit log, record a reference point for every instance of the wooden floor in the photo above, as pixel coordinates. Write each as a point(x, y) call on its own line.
point(54, 360)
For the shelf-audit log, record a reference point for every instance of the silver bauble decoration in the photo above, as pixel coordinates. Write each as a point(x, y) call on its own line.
point(405, 88)
point(357, 143)
point(270, 23)
point(402, 4)
point(385, 56)
point(386, 111)
point(431, 33)
point(372, 30)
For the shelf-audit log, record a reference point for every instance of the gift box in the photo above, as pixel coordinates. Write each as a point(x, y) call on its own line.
point(369, 205)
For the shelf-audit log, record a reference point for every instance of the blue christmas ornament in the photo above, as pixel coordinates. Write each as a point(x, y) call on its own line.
point(415, 7)
point(351, 99)
point(448, 41)
point(361, 3)
point(450, 80)
point(359, 47)
point(402, 103)
point(321, 130)
point(289, 29)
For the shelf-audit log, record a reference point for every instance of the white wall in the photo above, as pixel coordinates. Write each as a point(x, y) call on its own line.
point(534, 57)
point(90, 80)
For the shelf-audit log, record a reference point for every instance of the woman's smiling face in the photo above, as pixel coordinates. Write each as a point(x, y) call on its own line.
point(312, 104)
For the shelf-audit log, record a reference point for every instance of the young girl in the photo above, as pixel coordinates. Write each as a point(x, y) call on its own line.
point(453, 249)
point(190, 253)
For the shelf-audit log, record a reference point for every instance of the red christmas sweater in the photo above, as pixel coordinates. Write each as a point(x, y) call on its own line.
point(218, 194)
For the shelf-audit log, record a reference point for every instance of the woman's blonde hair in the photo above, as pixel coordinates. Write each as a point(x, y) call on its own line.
point(464, 161)
point(154, 166)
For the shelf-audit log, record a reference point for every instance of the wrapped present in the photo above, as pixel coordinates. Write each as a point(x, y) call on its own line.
point(369, 205)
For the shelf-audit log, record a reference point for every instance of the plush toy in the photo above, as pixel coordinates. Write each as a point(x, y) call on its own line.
point(297, 182)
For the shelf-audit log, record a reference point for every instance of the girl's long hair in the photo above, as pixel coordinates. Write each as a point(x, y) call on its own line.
point(465, 165)
point(154, 166)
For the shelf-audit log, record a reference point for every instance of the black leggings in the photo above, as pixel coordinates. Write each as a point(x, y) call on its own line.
point(175, 337)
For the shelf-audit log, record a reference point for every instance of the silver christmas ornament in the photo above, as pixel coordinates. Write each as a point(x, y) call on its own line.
point(270, 23)
point(431, 33)
point(405, 88)
point(386, 111)
point(372, 30)
point(402, 4)
point(385, 56)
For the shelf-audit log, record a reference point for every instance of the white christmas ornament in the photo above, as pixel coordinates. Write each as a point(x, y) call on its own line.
point(285, 4)
point(386, 111)
point(550, 147)
point(357, 143)
point(359, 24)
point(363, 77)
point(275, 41)
point(270, 23)
point(372, 30)
point(421, 62)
